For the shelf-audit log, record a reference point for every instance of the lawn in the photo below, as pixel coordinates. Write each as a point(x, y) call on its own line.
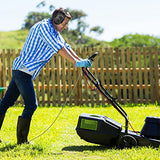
point(61, 142)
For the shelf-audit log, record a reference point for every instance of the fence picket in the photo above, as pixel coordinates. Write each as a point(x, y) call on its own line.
point(107, 50)
point(124, 76)
point(63, 80)
point(102, 72)
point(140, 75)
point(86, 90)
point(97, 95)
point(134, 75)
point(47, 83)
point(157, 76)
point(151, 74)
point(118, 78)
point(69, 79)
point(42, 87)
point(146, 75)
point(129, 79)
point(53, 83)
point(113, 73)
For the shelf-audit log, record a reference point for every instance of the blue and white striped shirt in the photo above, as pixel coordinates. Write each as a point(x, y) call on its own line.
point(42, 42)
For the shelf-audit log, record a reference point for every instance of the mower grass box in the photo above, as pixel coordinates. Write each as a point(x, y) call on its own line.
point(151, 128)
point(98, 129)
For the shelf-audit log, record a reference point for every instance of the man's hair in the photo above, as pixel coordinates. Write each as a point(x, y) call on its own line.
point(60, 11)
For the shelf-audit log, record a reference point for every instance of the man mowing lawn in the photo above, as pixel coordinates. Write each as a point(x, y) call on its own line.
point(42, 43)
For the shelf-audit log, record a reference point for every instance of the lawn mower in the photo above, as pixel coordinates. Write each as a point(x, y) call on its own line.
point(103, 130)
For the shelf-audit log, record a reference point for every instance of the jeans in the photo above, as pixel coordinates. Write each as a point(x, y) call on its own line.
point(21, 83)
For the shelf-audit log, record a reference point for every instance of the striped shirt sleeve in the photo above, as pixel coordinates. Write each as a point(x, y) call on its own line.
point(49, 37)
point(63, 41)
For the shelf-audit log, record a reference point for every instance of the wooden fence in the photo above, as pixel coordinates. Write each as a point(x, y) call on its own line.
point(131, 75)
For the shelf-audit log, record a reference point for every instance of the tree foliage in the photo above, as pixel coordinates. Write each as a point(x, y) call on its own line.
point(77, 17)
point(136, 40)
point(41, 4)
point(77, 14)
point(97, 29)
point(34, 17)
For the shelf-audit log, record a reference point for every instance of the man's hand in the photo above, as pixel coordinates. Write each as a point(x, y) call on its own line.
point(83, 63)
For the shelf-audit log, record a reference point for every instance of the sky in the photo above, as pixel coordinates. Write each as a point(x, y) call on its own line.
point(116, 17)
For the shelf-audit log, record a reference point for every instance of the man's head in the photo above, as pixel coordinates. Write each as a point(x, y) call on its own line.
point(60, 19)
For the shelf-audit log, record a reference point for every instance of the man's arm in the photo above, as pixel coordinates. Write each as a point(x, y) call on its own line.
point(74, 54)
point(73, 58)
point(67, 55)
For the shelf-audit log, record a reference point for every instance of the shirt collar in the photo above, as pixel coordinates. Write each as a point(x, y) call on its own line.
point(52, 26)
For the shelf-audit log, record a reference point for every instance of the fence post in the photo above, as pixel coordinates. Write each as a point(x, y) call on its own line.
point(124, 75)
point(140, 74)
point(102, 56)
point(107, 52)
point(151, 74)
point(156, 75)
point(145, 73)
point(53, 80)
point(134, 75)
point(129, 75)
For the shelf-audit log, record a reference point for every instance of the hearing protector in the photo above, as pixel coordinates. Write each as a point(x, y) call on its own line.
point(60, 17)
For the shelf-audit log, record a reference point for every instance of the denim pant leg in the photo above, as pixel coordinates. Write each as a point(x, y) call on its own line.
point(10, 97)
point(26, 89)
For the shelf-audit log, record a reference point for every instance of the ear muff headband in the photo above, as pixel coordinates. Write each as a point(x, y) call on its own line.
point(59, 18)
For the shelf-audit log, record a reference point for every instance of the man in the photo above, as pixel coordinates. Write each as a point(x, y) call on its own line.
point(43, 41)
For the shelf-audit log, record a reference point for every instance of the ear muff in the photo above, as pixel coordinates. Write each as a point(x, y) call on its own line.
point(59, 18)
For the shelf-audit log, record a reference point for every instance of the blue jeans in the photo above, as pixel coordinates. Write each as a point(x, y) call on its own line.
point(21, 83)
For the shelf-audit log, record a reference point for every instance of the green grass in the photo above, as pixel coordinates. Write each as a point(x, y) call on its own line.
point(13, 39)
point(61, 142)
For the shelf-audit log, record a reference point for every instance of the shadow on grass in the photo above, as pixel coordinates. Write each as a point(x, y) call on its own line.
point(7, 147)
point(15, 147)
point(85, 148)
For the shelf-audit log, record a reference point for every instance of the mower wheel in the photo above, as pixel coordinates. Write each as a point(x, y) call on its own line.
point(127, 141)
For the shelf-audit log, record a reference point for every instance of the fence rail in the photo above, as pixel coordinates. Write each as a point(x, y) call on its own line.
point(131, 75)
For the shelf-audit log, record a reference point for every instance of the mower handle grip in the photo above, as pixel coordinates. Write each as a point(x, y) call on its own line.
point(91, 58)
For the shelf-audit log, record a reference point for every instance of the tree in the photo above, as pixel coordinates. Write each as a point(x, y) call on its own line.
point(97, 29)
point(136, 40)
point(77, 18)
point(77, 14)
point(34, 17)
point(77, 34)
point(43, 4)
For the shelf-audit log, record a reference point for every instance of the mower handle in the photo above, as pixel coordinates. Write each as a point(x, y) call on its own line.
point(104, 92)
point(91, 58)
